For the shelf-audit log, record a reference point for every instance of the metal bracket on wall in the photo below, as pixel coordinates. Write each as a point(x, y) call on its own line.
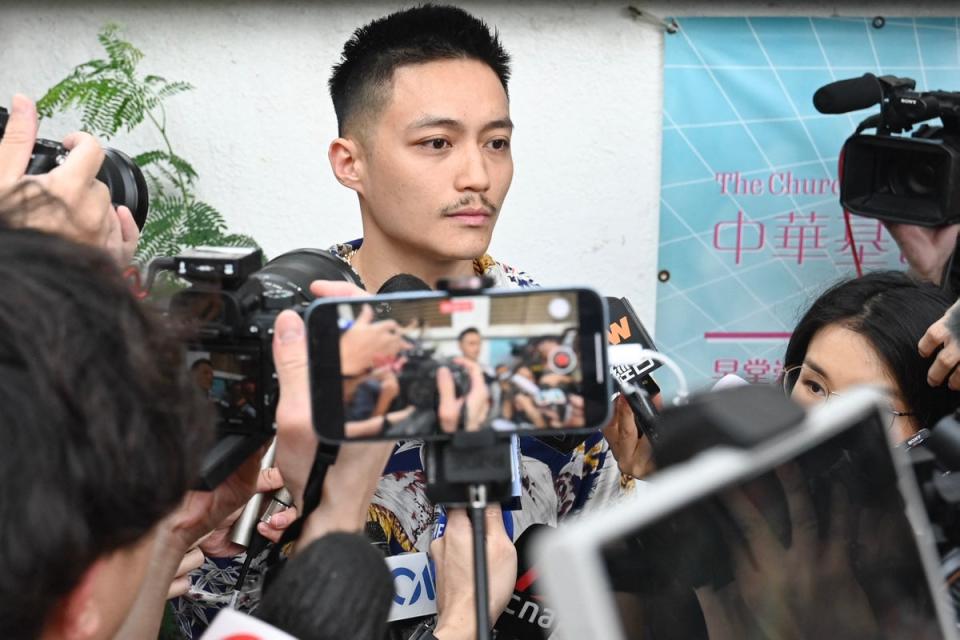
point(670, 26)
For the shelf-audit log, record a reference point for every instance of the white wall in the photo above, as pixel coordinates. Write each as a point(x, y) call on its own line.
point(586, 95)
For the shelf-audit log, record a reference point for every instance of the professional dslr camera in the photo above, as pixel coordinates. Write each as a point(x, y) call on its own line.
point(226, 318)
point(418, 379)
point(912, 180)
point(121, 174)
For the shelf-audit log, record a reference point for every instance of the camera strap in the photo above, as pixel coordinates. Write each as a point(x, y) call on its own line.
point(326, 455)
point(312, 493)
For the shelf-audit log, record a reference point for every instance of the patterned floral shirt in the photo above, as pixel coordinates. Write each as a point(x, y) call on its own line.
point(556, 484)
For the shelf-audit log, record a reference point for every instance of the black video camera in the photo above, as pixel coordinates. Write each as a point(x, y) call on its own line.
point(911, 180)
point(121, 174)
point(226, 319)
point(418, 379)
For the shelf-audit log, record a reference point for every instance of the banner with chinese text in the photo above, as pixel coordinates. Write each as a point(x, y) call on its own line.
point(751, 229)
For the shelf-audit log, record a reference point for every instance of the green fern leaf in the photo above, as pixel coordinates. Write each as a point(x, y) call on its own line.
point(110, 97)
point(173, 88)
point(123, 55)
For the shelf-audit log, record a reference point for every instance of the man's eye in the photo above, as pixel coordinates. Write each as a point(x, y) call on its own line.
point(436, 144)
point(500, 144)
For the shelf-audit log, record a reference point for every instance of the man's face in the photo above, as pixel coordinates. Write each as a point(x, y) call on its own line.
point(437, 160)
point(470, 346)
point(203, 376)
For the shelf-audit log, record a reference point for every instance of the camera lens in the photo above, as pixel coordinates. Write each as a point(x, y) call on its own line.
point(922, 179)
point(126, 183)
point(295, 270)
point(910, 175)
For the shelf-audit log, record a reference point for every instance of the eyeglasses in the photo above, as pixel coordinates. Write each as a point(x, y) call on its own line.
point(808, 388)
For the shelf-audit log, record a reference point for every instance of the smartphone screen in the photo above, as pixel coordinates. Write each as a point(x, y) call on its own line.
point(538, 357)
point(818, 547)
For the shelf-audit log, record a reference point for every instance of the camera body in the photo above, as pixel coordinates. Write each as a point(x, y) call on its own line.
point(911, 179)
point(226, 320)
point(418, 379)
point(119, 172)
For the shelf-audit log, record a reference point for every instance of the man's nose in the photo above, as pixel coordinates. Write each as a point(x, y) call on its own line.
point(473, 174)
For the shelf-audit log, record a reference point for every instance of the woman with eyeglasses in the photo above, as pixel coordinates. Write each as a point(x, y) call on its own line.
point(865, 332)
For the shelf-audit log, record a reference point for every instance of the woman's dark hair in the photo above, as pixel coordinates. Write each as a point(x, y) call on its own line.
point(892, 311)
point(336, 587)
point(100, 426)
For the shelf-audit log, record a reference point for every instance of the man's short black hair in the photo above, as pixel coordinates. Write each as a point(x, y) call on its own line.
point(413, 36)
point(100, 426)
point(467, 332)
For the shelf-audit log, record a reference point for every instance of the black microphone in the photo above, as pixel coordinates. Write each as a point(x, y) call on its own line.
point(527, 616)
point(403, 282)
point(400, 283)
point(626, 328)
point(853, 94)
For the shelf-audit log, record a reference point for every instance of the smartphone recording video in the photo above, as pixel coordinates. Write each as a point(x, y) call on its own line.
point(424, 365)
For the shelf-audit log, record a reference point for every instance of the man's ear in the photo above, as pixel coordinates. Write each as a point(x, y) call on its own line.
point(347, 161)
point(78, 616)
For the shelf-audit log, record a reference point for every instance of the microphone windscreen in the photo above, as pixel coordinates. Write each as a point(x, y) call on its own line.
point(338, 584)
point(403, 282)
point(844, 96)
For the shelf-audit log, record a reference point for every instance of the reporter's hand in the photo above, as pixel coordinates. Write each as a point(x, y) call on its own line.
point(453, 557)
point(216, 541)
point(475, 404)
point(633, 453)
point(351, 481)
point(926, 249)
point(792, 587)
point(573, 414)
point(945, 364)
point(181, 582)
point(198, 513)
point(202, 512)
point(368, 344)
point(89, 217)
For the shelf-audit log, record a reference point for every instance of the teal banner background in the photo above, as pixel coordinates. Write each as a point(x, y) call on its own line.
point(751, 229)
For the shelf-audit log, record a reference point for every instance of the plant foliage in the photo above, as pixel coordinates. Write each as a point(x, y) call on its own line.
point(112, 96)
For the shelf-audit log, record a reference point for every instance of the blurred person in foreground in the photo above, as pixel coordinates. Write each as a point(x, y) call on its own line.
point(93, 388)
point(102, 425)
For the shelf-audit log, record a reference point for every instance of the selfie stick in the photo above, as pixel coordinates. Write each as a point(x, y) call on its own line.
point(472, 469)
point(478, 506)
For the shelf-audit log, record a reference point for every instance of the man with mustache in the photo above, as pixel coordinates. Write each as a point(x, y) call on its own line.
point(424, 139)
